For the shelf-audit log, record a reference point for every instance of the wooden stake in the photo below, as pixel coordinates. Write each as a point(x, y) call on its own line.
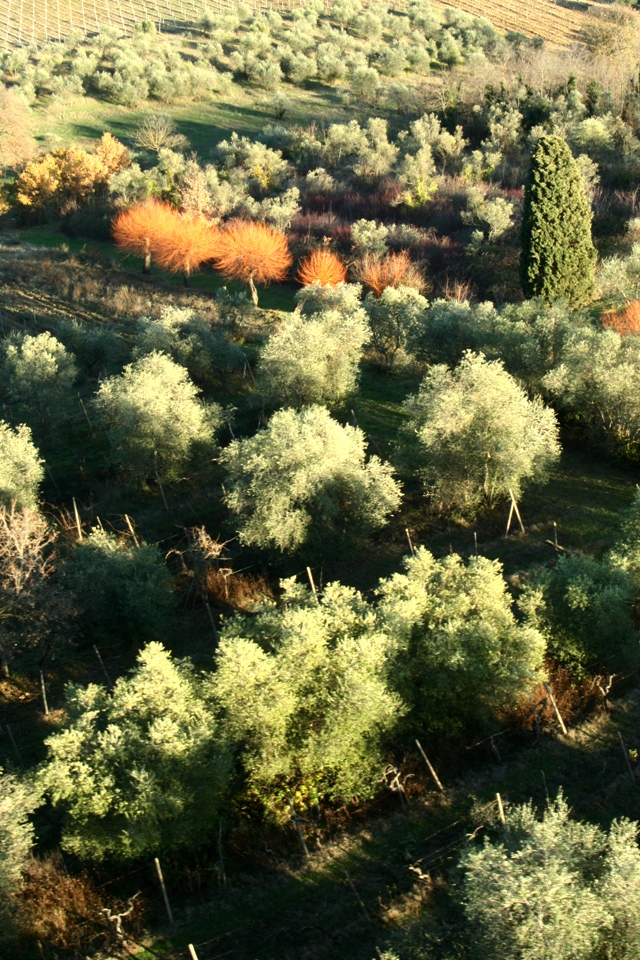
point(515, 507)
point(358, 897)
point(296, 821)
point(84, 410)
point(555, 534)
point(192, 952)
point(44, 694)
point(311, 581)
point(555, 707)
point(500, 808)
point(220, 857)
point(103, 668)
point(213, 623)
point(626, 757)
point(164, 499)
point(475, 541)
point(165, 897)
point(15, 745)
point(131, 530)
point(509, 520)
point(406, 530)
point(77, 516)
point(428, 763)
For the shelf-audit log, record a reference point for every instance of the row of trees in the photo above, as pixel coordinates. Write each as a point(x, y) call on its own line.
point(557, 261)
point(309, 694)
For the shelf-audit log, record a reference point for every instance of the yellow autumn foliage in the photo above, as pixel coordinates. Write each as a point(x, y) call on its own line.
point(69, 176)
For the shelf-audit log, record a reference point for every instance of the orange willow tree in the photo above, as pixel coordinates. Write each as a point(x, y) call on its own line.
point(134, 229)
point(157, 230)
point(322, 266)
point(185, 244)
point(252, 253)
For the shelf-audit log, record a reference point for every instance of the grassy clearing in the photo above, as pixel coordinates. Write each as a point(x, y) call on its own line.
point(244, 110)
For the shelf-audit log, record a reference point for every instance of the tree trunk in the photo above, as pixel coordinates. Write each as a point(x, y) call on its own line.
point(146, 266)
point(254, 292)
point(186, 277)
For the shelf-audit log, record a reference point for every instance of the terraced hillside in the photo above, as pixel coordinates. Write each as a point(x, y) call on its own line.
point(558, 22)
point(26, 21)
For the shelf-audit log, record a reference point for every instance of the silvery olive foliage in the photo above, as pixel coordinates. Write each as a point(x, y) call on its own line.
point(459, 654)
point(155, 419)
point(313, 358)
point(21, 467)
point(549, 886)
point(473, 436)
point(303, 686)
point(306, 480)
point(138, 769)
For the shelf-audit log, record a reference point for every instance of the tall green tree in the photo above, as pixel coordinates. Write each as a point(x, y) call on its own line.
point(307, 479)
point(552, 887)
point(459, 654)
point(140, 768)
point(558, 257)
point(18, 799)
point(303, 689)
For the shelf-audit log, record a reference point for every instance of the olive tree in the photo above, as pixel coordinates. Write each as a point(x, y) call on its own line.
point(474, 437)
point(18, 800)
point(306, 478)
point(460, 655)
point(314, 359)
point(139, 769)
point(122, 589)
point(21, 467)
point(303, 688)
point(155, 419)
point(392, 316)
point(597, 383)
point(548, 886)
point(189, 340)
point(38, 376)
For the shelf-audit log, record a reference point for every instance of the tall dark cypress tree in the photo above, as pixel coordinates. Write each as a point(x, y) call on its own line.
point(558, 257)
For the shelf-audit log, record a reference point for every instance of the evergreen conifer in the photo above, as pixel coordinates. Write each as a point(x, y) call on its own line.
point(558, 256)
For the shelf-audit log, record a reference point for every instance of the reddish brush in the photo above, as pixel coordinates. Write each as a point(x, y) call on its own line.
point(253, 253)
point(394, 270)
point(322, 266)
point(626, 323)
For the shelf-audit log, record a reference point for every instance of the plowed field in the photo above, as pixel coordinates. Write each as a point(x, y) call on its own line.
point(25, 21)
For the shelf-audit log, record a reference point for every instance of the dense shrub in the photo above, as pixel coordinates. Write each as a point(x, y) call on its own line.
point(303, 688)
point(474, 437)
point(139, 769)
point(459, 653)
point(122, 589)
point(305, 480)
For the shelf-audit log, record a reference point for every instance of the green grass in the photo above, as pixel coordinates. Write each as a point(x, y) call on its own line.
point(245, 110)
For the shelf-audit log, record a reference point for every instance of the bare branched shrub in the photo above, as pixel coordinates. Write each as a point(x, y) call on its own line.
point(35, 610)
point(393, 270)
